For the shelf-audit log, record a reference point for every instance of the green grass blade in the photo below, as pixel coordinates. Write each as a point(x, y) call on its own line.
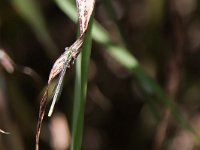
point(80, 90)
point(30, 11)
point(100, 35)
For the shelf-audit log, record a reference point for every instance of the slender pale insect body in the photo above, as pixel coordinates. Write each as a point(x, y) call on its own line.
point(69, 57)
point(59, 86)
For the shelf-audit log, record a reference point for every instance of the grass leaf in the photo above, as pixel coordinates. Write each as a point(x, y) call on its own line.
point(31, 12)
point(123, 56)
point(80, 90)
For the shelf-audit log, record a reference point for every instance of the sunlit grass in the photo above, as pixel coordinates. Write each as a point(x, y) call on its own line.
point(123, 56)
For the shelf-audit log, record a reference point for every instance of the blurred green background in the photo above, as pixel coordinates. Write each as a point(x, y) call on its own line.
point(143, 79)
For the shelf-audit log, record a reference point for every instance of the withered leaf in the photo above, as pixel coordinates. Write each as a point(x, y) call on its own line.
point(69, 53)
point(85, 9)
point(58, 66)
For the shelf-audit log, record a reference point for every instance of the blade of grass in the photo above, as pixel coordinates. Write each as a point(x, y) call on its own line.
point(80, 90)
point(100, 35)
point(31, 12)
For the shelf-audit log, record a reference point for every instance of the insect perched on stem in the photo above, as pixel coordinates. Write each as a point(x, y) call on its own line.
point(85, 9)
point(60, 66)
point(58, 90)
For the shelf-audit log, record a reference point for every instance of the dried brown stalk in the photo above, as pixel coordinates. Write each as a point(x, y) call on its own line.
point(85, 9)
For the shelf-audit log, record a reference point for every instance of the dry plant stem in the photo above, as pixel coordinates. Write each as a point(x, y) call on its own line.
point(10, 66)
point(67, 60)
point(172, 73)
point(43, 104)
point(85, 9)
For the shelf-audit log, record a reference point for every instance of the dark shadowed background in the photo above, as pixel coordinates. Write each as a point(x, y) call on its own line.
point(122, 111)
